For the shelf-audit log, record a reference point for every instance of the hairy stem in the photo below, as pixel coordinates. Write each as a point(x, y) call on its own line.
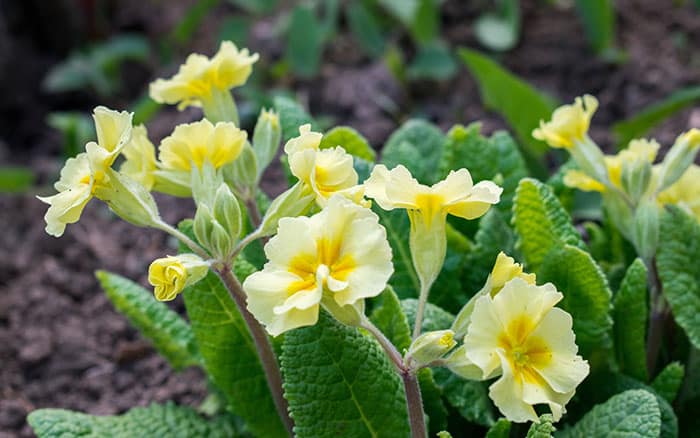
point(182, 237)
point(422, 299)
point(385, 343)
point(657, 316)
point(264, 347)
point(253, 210)
point(414, 402)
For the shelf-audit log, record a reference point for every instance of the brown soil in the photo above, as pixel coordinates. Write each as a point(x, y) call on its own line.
point(61, 342)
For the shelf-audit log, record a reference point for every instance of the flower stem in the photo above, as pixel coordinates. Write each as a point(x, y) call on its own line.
point(253, 210)
point(220, 107)
point(182, 237)
point(657, 317)
point(385, 343)
point(422, 299)
point(264, 347)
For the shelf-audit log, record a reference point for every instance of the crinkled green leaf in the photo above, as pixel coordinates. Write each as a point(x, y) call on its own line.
point(586, 297)
point(487, 158)
point(634, 414)
point(433, 406)
point(170, 334)
point(469, 397)
point(390, 319)
point(351, 140)
point(630, 316)
point(404, 280)
point(434, 318)
point(677, 262)
point(500, 429)
point(230, 356)
point(340, 383)
point(155, 420)
point(669, 381)
point(418, 145)
point(540, 222)
point(448, 291)
point(518, 102)
point(543, 429)
point(292, 116)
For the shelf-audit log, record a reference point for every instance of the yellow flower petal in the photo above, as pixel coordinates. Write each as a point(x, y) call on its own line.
point(569, 123)
point(171, 275)
point(140, 154)
point(685, 192)
point(579, 180)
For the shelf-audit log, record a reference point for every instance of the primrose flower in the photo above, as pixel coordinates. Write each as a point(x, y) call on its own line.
point(191, 145)
point(520, 336)
point(569, 123)
point(87, 171)
point(428, 208)
point(171, 275)
point(685, 192)
point(335, 258)
point(324, 171)
point(199, 78)
point(140, 154)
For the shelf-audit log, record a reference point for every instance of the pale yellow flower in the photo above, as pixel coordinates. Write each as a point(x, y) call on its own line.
point(140, 154)
point(569, 123)
point(171, 275)
point(199, 77)
point(685, 192)
point(339, 256)
point(82, 174)
point(195, 143)
point(520, 336)
point(324, 171)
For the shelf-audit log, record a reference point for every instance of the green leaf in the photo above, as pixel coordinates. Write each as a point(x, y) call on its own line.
point(340, 383)
point(433, 406)
point(448, 291)
point(418, 145)
point(641, 123)
point(540, 222)
point(292, 116)
point(169, 333)
point(426, 21)
point(500, 429)
point(390, 319)
point(634, 414)
point(230, 357)
point(519, 103)
point(434, 318)
point(192, 20)
point(403, 10)
point(469, 397)
point(677, 263)
point(500, 32)
point(304, 42)
point(586, 297)
point(404, 280)
point(543, 429)
point(365, 28)
point(352, 141)
point(598, 17)
point(630, 316)
point(152, 421)
point(491, 158)
point(15, 179)
point(669, 381)
point(433, 61)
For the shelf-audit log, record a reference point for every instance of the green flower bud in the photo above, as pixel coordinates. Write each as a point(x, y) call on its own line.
point(590, 159)
point(430, 347)
point(646, 228)
point(218, 229)
point(242, 174)
point(128, 199)
point(227, 211)
point(635, 178)
point(297, 200)
point(619, 212)
point(681, 155)
point(204, 183)
point(266, 139)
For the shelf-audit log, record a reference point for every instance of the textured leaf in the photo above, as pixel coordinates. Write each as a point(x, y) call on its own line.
point(519, 103)
point(304, 41)
point(155, 420)
point(669, 381)
point(644, 121)
point(230, 356)
point(390, 319)
point(169, 333)
point(630, 316)
point(340, 383)
point(500, 429)
point(469, 397)
point(634, 414)
point(433, 406)
point(540, 222)
point(543, 429)
point(491, 158)
point(418, 145)
point(598, 17)
point(351, 140)
point(434, 318)
point(586, 297)
point(404, 280)
point(447, 291)
point(677, 261)
point(292, 116)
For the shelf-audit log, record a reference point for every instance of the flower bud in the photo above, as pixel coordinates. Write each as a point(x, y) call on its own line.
point(635, 178)
point(619, 213)
point(297, 200)
point(171, 275)
point(646, 228)
point(128, 199)
point(590, 159)
point(219, 228)
point(430, 347)
point(266, 139)
point(204, 183)
point(242, 174)
point(681, 155)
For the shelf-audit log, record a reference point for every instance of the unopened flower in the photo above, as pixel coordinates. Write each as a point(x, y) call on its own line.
point(200, 77)
point(82, 174)
point(569, 123)
point(429, 347)
point(171, 275)
point(520, 336)
point(140, 154)
point(335, 258)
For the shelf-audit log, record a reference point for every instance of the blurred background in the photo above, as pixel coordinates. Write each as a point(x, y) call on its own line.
point(368, 64)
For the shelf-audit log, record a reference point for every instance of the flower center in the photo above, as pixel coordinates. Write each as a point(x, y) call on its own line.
point(525, 353)
point(327, 262)
point(430, 205)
